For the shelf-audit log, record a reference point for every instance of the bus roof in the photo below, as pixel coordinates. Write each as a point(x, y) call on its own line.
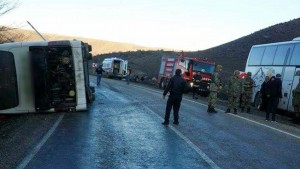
point(296, 40)
point(38, 43)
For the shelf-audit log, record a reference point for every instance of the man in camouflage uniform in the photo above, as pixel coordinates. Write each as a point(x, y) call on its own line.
point(248, 84)
point(215, 87)
point(296, 103)
point(235, 88)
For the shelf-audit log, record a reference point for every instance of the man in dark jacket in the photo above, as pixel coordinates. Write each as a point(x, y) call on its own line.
point(196, 84)
point(264, 100)
point(274, 93)
point(176, 86)
point(99, 71)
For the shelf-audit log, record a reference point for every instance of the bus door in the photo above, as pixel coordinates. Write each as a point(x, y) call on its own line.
point(287, 81)
point(40, 77)
point(295, 82)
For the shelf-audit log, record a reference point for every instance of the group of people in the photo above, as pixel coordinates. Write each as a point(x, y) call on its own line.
point(238, 90)
point(271, 93)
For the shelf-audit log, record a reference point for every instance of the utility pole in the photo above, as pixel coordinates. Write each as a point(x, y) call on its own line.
point(37, 31)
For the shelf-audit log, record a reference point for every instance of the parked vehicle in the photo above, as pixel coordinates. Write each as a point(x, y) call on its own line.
point(45, 76)
point(189, 67)
point(115, 67)
point(276, 58)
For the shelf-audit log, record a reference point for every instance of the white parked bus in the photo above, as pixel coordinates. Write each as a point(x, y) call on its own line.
point(115, 67)
point(276, 58)
point(44, 76)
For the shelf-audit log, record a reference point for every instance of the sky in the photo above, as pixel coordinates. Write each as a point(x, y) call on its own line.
point(174, 24)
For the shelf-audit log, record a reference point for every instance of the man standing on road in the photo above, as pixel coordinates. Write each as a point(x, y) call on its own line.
point(264, 99)
point(247, 95)
point(176, 86)
point(274, 93)
point(296, 103)
point(196, 84)
point(99, 71)
point(214, 88)
point(235, 88)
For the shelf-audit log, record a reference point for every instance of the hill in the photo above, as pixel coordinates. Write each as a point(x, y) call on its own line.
point(99, 46)
point(232, 55)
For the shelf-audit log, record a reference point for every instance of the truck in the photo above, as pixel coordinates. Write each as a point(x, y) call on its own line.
point(115, 67)
point(189, 67)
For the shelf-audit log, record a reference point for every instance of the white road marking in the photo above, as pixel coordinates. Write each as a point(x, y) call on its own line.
point(189, 142)
point(281, 131)
point(37, 148)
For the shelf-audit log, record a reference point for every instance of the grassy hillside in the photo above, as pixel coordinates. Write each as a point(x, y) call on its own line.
point(99, 46)
point(232, 55)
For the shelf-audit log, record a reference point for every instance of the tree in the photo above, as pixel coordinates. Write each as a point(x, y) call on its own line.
point(5, 7)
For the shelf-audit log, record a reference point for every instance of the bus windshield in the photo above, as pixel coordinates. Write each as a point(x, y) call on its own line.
point(203, 68)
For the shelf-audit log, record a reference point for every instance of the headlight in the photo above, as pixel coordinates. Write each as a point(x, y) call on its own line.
point(191, 84)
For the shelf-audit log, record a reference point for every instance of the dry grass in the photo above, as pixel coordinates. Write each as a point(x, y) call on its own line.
point(99, 46)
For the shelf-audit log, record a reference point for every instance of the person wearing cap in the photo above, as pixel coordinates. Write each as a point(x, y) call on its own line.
point(248, 85)
point(214, 88)
point(99, 72)
point(176, 87)
point(235, 88)
point(196, 83)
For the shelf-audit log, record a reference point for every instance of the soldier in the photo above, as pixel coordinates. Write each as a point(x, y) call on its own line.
point(296, 102)
point(196, 84)
point(215, 87)
point(248, 84)
point(234, 90)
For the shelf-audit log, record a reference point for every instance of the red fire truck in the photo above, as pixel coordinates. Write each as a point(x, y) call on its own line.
point(189, 67)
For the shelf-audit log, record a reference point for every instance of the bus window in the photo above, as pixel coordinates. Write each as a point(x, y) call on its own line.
point(8, 81)
point(296, 56)
point(256, 55)
point(269, 55)
point(281, 54)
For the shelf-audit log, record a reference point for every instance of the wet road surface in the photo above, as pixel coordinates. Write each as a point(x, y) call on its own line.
point(122, 129)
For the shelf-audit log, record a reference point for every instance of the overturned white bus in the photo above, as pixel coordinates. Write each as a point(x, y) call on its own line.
point(45, 76)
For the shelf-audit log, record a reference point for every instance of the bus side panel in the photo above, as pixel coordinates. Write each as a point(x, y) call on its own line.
point(259, 73)
point(295, 82)
point(287, 81)
point(79, 76)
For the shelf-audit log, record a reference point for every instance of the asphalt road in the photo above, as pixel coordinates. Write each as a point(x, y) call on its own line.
point(122, 129)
